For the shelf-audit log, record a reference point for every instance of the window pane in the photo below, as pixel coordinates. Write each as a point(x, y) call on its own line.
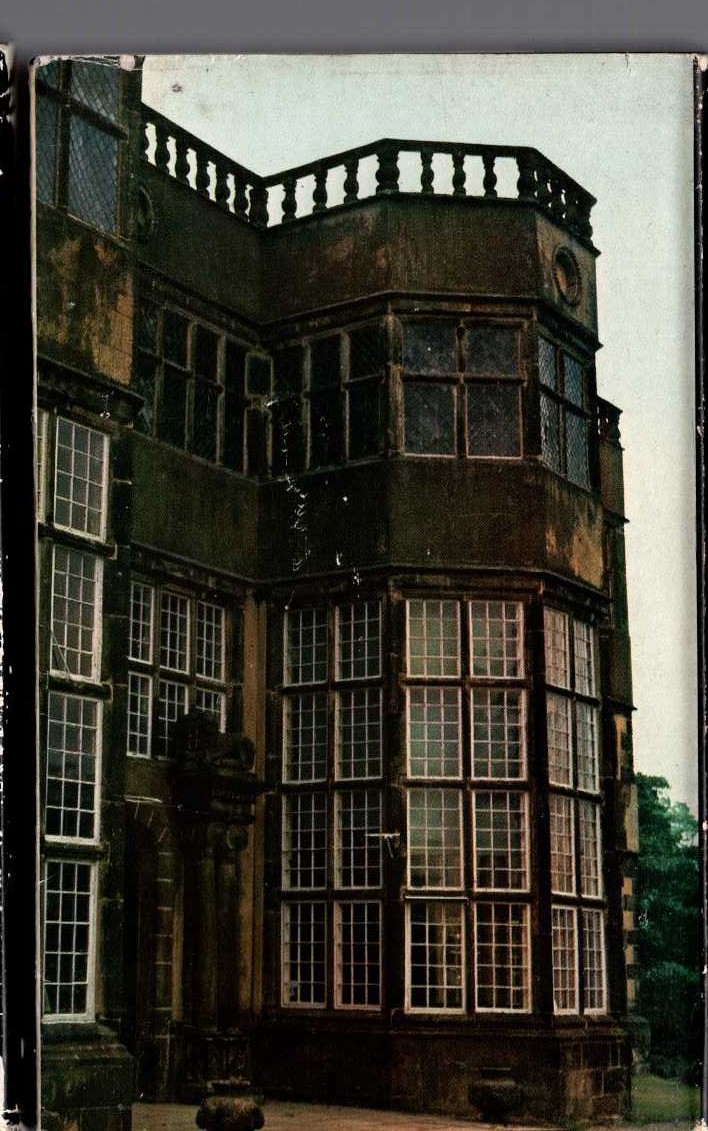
point(79, 487)
point(557, 647)
point(234, 406)
point(305, 646)
point(429, 418)
point(496, 638)
point(305, 840)
point(142, 599)
point(550, 433)
point(204, 428)
point(258, 374)
point(172, 705)
point(587, 719)
point(324, 363)
point(210, 641)
point(573, 383)
point(288, 437)
point(206, 353)
point(367, 352)
point(72, 756)
point(547, 364)
point(287, 371)
point(359, 640)
point(434, 732)
point(172, 407)
point(326, 428)
point(576, 449)
point(590, 848)
point(67, 957)
point(174, 632)
point(492, 351)
point(144, 385)
point(565, 975)
point(175, 335)
point(584, 651)
point(364, 414)
point(139, 714)
point(305, 737)
point(558, 715)
point(97, 85)
point(304, 954)
point(213, 704)
point(359, 734)
point(357, 946)
point(493, 420)
point(433, 638)
point(498, 739)
point(75, 626)
point(434, 838)
point(92, 177)
point(435, 956)
point(562, 844)
point(357, 839)
point(430, 347)
point(500, 839)
point(594, 961)
point(46, 122)
point(502, 956)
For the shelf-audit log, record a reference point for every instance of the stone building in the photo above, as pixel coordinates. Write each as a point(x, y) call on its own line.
point(335, 688)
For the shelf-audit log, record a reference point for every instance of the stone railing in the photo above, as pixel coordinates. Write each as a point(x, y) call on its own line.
point(390, 166)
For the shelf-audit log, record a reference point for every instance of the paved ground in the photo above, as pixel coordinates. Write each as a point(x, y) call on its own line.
point(283, 1116)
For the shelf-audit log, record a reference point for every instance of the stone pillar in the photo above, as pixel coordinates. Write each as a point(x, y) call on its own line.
point(215, 789)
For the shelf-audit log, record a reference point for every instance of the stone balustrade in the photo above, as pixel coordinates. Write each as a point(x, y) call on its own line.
point(386, 167)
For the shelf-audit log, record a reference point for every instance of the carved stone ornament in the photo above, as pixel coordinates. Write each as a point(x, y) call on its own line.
point(566, 273)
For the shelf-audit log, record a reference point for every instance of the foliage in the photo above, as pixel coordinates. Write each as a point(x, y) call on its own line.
point(655, 1100)
point(668, 917)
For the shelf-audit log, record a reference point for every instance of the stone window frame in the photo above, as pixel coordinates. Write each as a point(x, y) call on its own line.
point(56, 95)
point(167, 692)
point(509, 993)
point(558, 403)
point(89, 751)
point(462, 379)
point(448, 987)
point(571, 679)
point(229, 382)
point(80, 486)
point(485, 656)
point(73, 954)
point(332, 668)
point(61, 625)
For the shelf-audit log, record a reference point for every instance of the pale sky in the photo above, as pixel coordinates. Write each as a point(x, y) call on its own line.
point(621, 125)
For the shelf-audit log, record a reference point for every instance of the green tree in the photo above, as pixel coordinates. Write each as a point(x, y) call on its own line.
point(669, 926)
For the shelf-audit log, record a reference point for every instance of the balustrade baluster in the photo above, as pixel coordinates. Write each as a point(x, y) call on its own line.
point(202, 180)
point(426, 170)
point(181, 159)
point(557, 204)
point(458, 173)
point(146, 140)
point(351, 182)
point(319, 193)
point(489, 183)
point(387, 172)
point(162, 153)
point(258, 212)
point(221, 185)
point(289, 201)
point(584, 207)
point(526, 184)
point(543, 192)
point(240, 198)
